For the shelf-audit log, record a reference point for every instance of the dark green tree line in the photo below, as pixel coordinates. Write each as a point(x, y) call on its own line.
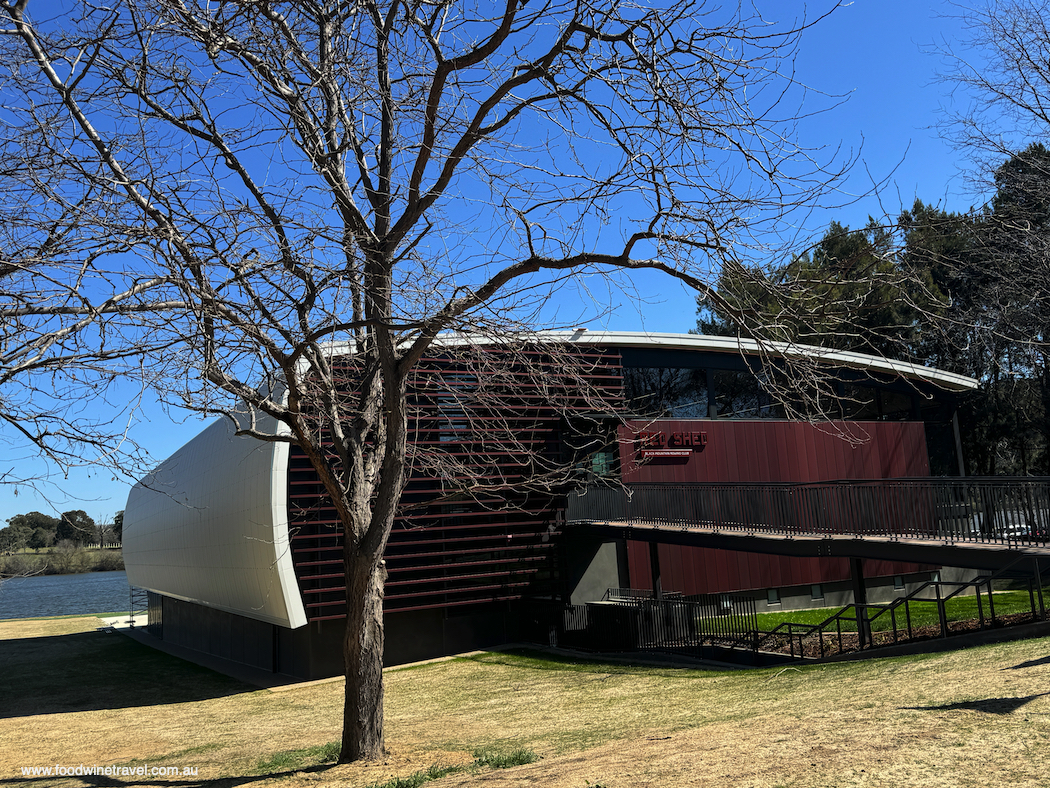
point(964, 292)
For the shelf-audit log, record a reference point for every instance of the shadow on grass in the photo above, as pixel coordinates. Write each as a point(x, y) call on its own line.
point(488, 758)
point(1030, 663)
point(88, 671)
point(99, 781)
point(102, 781)
point(988, 705)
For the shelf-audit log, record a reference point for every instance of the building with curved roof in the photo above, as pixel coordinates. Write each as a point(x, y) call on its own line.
point(241, 552)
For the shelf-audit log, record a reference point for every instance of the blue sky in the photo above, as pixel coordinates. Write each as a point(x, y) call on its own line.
point(877, 54)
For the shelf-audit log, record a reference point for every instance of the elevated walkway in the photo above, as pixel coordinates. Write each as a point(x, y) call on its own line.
point(986, 523)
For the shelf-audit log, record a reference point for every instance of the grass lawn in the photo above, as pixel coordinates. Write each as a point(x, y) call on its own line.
point(978, 717)
point(959, 608)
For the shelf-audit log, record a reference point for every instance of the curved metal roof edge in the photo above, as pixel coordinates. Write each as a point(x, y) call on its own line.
point(845, 358)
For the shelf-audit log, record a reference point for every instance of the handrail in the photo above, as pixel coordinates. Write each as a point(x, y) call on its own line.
point(891, 607)
point(998, 510)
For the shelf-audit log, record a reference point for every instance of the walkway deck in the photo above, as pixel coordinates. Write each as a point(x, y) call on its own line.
point(924, 551)
point(979, 523)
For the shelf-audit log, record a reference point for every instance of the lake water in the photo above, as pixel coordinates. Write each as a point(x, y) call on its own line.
point(64, 595)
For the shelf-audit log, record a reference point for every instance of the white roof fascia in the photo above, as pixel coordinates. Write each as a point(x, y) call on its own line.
point(949, 381)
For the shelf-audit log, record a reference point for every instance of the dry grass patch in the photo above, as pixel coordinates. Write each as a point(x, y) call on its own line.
point(979, 717)
point(47, 627)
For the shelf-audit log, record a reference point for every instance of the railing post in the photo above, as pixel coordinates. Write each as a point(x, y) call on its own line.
point(941, 613)
point(991, 602)
point(1039, 588)
point(860, 600)
point(654, 568)
point(1031, 597)
point(980, 606)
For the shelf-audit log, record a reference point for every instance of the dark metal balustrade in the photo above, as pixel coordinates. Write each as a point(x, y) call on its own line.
point(1000, 511)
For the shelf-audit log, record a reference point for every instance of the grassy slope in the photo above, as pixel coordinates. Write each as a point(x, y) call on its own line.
point(979, 717)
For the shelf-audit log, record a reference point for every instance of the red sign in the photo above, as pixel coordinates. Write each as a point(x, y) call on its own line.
point(670, 444)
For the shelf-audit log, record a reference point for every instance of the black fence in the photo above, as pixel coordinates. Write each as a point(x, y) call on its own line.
point(631, 621)
point(726, 626)
point(984, 510)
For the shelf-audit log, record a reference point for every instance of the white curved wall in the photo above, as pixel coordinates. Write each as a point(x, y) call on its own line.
point(210, 525)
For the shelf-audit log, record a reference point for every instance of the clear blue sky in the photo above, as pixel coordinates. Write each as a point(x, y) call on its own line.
point(876, 53)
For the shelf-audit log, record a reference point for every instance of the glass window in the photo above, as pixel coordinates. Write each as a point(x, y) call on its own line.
point(736, 394)
point(666, 391)
point(897, 406)
point(773, 596)
point(859, 403)
point(602, 463)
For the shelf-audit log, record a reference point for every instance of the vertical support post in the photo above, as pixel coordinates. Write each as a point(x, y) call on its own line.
point(941, 614)
point(654, 568)
point(1039, 588)
point(860, 601)
point(958, 443)
point(991, 602)
point(980, 606)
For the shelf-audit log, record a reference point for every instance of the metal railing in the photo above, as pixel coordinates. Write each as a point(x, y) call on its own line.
point(863, 622)
point(637, 595)
point(632, 620)
point(138, 604)
point(995, 510)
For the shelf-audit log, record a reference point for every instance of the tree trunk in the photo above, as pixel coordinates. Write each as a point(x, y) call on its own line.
point(363, 655)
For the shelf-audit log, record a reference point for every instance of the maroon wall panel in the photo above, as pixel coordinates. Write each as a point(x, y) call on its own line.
point(781, 451)
point(697, 570)
point(768, 451)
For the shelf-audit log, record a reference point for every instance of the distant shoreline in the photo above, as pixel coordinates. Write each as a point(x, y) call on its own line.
point(62, 562)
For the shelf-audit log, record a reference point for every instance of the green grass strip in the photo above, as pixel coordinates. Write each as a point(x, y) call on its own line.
point(496, 759)
point(923, 613)
point(293, 760)
point(418, 778)
point(296, 760)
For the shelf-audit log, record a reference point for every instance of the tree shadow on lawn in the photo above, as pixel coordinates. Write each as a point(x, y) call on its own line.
point(88, 671)
point(102, 781)
point(988, 705)
point(1030, 663)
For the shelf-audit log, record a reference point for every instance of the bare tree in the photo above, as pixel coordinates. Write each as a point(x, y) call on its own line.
point(286, 176)
point(69, 381)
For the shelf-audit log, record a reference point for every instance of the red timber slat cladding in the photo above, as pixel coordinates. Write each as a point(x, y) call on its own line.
point(470, 549)
point(769, 451)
